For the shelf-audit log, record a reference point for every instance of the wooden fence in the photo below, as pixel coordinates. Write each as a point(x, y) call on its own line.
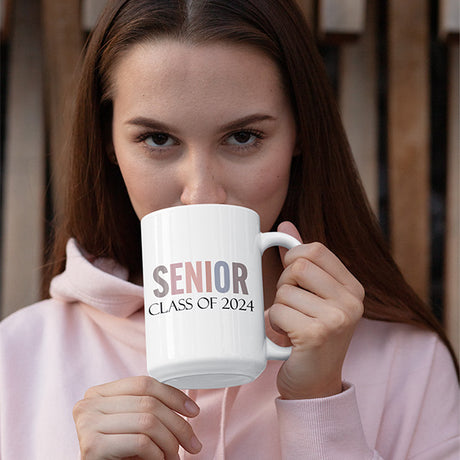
point(396, 65)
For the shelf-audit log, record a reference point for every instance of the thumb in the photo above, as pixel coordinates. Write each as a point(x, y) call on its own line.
point(290, 229)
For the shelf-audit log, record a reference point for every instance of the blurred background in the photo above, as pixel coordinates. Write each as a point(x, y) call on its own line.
point(394, 66)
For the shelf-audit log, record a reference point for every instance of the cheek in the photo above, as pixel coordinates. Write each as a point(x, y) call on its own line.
point(146, 190)
point(268, 193)
point(137, 190)
point(270, 183)
point(274, 177)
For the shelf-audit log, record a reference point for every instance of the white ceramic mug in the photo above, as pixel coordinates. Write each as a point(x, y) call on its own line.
point(204, 306)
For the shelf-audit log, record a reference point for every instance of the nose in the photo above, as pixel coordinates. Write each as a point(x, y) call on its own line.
point(201, 183)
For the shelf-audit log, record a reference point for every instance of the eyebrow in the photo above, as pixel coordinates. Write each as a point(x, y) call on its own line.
point(239, 123)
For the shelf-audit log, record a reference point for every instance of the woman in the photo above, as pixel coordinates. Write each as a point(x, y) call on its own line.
point(184, 102)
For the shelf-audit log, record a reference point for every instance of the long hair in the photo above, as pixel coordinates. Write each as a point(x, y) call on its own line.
point(325, 199)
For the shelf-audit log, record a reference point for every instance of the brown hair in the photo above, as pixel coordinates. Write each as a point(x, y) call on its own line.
point(325, 200)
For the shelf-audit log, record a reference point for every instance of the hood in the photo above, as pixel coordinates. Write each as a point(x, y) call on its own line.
point(100, 287)
point(98, 282)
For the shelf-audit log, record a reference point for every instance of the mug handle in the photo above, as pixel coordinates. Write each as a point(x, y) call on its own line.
point(267, 240)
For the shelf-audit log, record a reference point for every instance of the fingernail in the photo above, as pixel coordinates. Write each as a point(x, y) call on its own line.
point(195, 444)
point(191, 407)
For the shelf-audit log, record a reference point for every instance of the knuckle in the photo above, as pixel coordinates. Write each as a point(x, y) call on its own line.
point(142, 385)
point(148, 404)
point(276, 310)
point(354, 306)
point(358, 307)
point(317, 250)
point(360, 292)
point(142, 442)
point(358, 311)
point(299, 268)
point(83, 424)
point(301, 336)
point(78, 408)
point(147, 422)
point(81, 409)
point(90, 393)
point(338, 319)
point(284, 293)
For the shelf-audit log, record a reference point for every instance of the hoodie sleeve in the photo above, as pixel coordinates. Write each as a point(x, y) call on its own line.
point(419, 420)
point(323, 428)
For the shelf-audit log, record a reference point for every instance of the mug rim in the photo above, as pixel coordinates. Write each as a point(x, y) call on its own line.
point(198, 205)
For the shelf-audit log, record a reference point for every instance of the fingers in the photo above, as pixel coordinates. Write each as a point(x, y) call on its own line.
point(135, 417)
point(147, 425)
point(294, 307)
point(317, 297)
point(173, 398)
point(146, 414)
point(321, 256)
point(323, 267)
point(301, 300)
point(307, 332)
point(123, 446)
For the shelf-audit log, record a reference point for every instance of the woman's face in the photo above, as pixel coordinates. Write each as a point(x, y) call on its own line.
point(202, 124)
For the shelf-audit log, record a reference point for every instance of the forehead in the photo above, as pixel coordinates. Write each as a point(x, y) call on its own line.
point(211, 72)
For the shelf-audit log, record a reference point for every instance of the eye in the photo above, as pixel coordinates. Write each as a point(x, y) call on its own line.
point(159, 140)
point(244, 138)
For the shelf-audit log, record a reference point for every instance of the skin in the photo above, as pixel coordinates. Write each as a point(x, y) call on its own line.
point(212, 124)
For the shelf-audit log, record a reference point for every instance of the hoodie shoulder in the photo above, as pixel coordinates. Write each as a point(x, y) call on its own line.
point(31, 321)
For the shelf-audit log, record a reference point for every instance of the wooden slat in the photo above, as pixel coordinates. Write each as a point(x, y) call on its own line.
point(358, 102)
point(408, 138)
point(23, 213)
point(62, 45)
point(5, 18)
point(452, 259)
point(90, 10)
point(341, 17)
point(3, 6)
point(449, 18)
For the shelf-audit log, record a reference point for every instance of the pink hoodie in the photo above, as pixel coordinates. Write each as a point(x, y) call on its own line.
point(402, 402)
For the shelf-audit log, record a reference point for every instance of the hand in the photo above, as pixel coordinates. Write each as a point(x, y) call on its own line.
point(136, 417)
point(317, 305)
